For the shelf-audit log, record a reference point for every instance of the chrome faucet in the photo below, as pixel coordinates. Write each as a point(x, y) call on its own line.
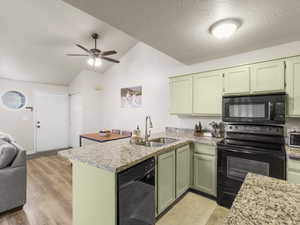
point(148, 133)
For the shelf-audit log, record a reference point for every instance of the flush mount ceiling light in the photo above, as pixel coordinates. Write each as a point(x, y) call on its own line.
point(224, 29)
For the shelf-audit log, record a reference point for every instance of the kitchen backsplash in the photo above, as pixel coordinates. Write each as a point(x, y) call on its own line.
point(179, 131)
point(187, 125)
point(190, 121)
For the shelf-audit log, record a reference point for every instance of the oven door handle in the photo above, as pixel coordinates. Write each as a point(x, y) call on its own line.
point(246, 151)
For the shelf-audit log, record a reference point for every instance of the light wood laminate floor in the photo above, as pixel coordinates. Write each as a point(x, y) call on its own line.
point(49, 194)
point(49, 200)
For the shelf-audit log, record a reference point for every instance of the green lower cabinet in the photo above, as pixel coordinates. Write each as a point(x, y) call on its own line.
point(294, 171)
point(166, 168)
point(183, 170)
point(294, 177)
point(205, 173)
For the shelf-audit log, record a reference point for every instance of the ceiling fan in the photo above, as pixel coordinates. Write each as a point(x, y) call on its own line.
point(96, 55)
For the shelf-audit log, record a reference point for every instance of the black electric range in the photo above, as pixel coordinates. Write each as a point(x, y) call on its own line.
point(248, 148)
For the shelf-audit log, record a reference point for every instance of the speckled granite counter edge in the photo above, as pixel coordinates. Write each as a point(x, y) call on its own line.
point(182, 140)
point(265, 200)
point(158, 151)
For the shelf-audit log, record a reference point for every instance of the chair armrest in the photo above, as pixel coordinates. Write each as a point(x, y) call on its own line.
point(12, 188)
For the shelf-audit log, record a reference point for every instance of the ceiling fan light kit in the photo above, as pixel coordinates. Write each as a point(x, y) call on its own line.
point(96, 55)
point(94, 61)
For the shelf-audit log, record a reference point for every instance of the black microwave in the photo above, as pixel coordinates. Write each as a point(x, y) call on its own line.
point(257, 109)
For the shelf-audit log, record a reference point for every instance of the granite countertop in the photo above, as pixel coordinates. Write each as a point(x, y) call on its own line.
point(116, 156)
point(264, 200)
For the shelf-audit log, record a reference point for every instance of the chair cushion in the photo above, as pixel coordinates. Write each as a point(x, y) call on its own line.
point(8, 153)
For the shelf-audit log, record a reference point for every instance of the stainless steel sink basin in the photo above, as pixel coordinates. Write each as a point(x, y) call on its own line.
point(164, 140)
point(158, 142)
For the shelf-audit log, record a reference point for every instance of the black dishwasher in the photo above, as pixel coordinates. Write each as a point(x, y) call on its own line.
point(136, 194)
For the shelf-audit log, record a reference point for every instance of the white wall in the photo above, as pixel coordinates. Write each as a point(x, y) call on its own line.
point(145, 66)
point(20, 123)
point(88, 85)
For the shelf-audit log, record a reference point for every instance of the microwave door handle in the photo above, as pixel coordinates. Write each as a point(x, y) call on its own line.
point(270, 111)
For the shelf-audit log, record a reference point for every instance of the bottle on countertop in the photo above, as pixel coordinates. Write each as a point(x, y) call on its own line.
point(136, 136)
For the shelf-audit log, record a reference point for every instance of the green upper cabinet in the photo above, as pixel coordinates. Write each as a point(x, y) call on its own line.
point(166, 177)
point(207, 93)
point(201, 93)
point(183, 169)
point(293, 85)
point(237, 80)
point(268, 77)
point(181, 95)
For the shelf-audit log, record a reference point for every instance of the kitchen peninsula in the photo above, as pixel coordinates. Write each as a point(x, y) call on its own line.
point(96, 167)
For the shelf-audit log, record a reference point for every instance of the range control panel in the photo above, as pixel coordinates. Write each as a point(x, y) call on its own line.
point(254, 129)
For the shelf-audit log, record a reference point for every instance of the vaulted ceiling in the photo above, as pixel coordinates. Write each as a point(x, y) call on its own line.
point(36, 35)
point(179, 28)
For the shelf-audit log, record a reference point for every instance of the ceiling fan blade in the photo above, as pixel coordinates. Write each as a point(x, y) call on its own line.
point(77, 55)
point(109, 53)
point(83, 48)
point(110, 59)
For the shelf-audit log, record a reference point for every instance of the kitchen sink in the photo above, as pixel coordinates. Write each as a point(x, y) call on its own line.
point(158, 142)
point(164, 140)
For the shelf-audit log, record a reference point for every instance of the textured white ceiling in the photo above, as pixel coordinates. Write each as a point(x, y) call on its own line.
point(179, 28)
point(36, 35)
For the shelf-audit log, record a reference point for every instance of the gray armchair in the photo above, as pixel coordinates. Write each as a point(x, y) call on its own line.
point(13, 183)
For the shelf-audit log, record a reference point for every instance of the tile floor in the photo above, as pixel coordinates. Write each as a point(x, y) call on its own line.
point(194, 209)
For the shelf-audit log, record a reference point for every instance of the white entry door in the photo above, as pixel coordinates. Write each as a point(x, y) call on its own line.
point(51, 120)
point(76, 119)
